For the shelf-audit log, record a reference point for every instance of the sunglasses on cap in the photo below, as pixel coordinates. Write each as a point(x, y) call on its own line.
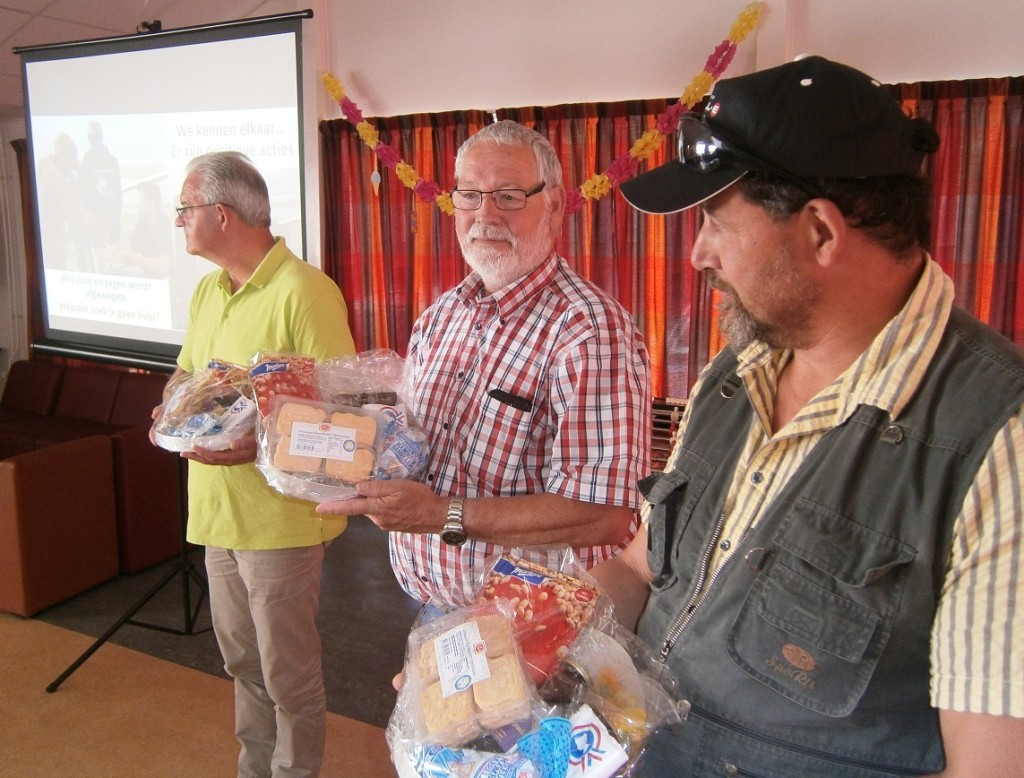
point(700, 150)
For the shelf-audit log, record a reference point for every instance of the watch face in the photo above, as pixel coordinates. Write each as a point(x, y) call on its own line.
point(453, 537)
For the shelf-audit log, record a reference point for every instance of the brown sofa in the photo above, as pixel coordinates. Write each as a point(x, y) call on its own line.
point(83, 493)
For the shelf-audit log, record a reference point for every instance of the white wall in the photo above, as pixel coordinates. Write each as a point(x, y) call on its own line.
point(414, 56)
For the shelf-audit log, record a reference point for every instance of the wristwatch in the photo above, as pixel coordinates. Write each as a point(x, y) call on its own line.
point(453, 532)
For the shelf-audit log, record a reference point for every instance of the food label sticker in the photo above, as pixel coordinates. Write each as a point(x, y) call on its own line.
point(461, 658)
point(310, 439)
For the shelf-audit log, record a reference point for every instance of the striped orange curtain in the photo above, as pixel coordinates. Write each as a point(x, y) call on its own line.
point(393, 254)
point(977, 178)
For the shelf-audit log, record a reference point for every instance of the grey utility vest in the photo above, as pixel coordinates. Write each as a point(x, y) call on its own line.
point(809, 655)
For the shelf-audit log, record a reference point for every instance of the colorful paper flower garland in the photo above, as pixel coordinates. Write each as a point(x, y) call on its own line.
point(597, 186)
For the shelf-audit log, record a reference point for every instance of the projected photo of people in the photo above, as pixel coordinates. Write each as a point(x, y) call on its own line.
point(102, 197)
point(109, 155)
point(59, 194)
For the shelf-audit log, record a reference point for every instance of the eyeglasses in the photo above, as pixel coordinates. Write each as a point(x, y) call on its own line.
point(503, 199)
point(181, 209)
point(700, 150)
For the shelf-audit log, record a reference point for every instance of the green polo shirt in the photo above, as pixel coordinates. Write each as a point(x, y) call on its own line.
point(287, 306)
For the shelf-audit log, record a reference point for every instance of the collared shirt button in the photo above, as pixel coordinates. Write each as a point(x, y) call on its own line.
point(756, 477)
point(725, 545)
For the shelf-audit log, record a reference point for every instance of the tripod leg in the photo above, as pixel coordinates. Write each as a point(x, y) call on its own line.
point(109, 633)
point(184, 566)
point(190, 613)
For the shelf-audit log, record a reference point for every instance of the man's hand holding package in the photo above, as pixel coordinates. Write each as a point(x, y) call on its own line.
point(239, 452)
point(398, 505)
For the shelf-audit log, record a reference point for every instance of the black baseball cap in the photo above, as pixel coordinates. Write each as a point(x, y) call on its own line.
point(808, 119)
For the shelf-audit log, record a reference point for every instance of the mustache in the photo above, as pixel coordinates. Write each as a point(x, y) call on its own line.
point(713, 281)
point(490, 232)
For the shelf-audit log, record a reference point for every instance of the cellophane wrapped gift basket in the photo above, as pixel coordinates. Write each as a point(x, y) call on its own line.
point(532, 679)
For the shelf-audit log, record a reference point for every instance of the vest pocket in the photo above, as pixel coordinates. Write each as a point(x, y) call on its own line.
point(672, 496)
point(818, 617)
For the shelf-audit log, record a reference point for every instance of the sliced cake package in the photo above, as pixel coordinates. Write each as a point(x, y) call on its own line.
point(324, 427)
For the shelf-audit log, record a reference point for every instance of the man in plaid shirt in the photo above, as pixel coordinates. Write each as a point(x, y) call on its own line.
point(533, 386)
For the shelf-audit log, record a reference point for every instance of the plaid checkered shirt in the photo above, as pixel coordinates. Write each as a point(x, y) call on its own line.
point(541, 387)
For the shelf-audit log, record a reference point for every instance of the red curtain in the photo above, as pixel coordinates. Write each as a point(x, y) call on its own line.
point(392, 254)
point(977, 177)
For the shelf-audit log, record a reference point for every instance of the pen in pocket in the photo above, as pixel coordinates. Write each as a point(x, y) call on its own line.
point(517, 402)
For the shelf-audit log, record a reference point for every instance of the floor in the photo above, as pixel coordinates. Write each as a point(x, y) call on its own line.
point(364, 621)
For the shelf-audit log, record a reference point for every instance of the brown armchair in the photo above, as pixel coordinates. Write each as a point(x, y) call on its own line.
point(58, 536)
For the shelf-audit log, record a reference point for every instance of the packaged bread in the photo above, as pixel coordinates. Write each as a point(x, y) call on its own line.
point(307, 437)
point(465, 676)
point(284, 459)
point(292, 411)
point(505, 687)
point(494, 632)
point(322, 428)
point(351, 471)
point(364, 427)
point(450, 717)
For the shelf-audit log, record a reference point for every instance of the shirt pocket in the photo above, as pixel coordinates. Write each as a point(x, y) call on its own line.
point(497, 451)
point(673, 495)
point(820, 613)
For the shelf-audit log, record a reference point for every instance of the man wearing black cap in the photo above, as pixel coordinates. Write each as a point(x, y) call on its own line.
point(830, 563)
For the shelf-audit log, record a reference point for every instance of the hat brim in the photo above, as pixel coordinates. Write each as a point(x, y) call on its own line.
point(674, 187)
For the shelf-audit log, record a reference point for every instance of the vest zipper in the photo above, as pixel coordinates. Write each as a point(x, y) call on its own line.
point(788, 746)
point(699, 592)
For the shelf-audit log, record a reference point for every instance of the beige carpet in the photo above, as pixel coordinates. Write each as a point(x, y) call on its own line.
point(124, 714)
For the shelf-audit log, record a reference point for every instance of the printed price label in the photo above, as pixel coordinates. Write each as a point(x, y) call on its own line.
point(461, 658)
point(322, 440)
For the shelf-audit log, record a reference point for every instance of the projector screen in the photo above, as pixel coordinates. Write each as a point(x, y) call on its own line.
point(111, 126)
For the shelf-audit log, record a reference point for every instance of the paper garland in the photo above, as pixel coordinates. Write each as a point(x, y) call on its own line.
point(597, 186)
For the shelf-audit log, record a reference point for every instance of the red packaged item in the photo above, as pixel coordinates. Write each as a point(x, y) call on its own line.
point(282, 374)
point(549, 609)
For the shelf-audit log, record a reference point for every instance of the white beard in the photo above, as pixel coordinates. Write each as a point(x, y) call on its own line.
point(500, 267)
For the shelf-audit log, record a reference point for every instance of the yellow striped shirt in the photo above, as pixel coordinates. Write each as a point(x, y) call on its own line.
point(977, 644)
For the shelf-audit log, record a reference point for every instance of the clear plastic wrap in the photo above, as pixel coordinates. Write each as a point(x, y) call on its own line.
point(465, 678)
point(325, 427)
point(611, 671)
point(602, 691)
point(210, 408)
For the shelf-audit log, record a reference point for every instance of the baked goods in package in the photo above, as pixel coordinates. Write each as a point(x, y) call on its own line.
point(567, 691)
point(464, 676)
point(324, 427)
point(209, 408)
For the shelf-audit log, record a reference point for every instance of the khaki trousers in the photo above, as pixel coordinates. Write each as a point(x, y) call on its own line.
point(264, 606)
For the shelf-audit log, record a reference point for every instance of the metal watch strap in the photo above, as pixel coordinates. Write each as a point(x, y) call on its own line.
point(454, 532)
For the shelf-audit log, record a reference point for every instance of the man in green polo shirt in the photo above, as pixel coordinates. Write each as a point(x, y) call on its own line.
point(264, 551)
